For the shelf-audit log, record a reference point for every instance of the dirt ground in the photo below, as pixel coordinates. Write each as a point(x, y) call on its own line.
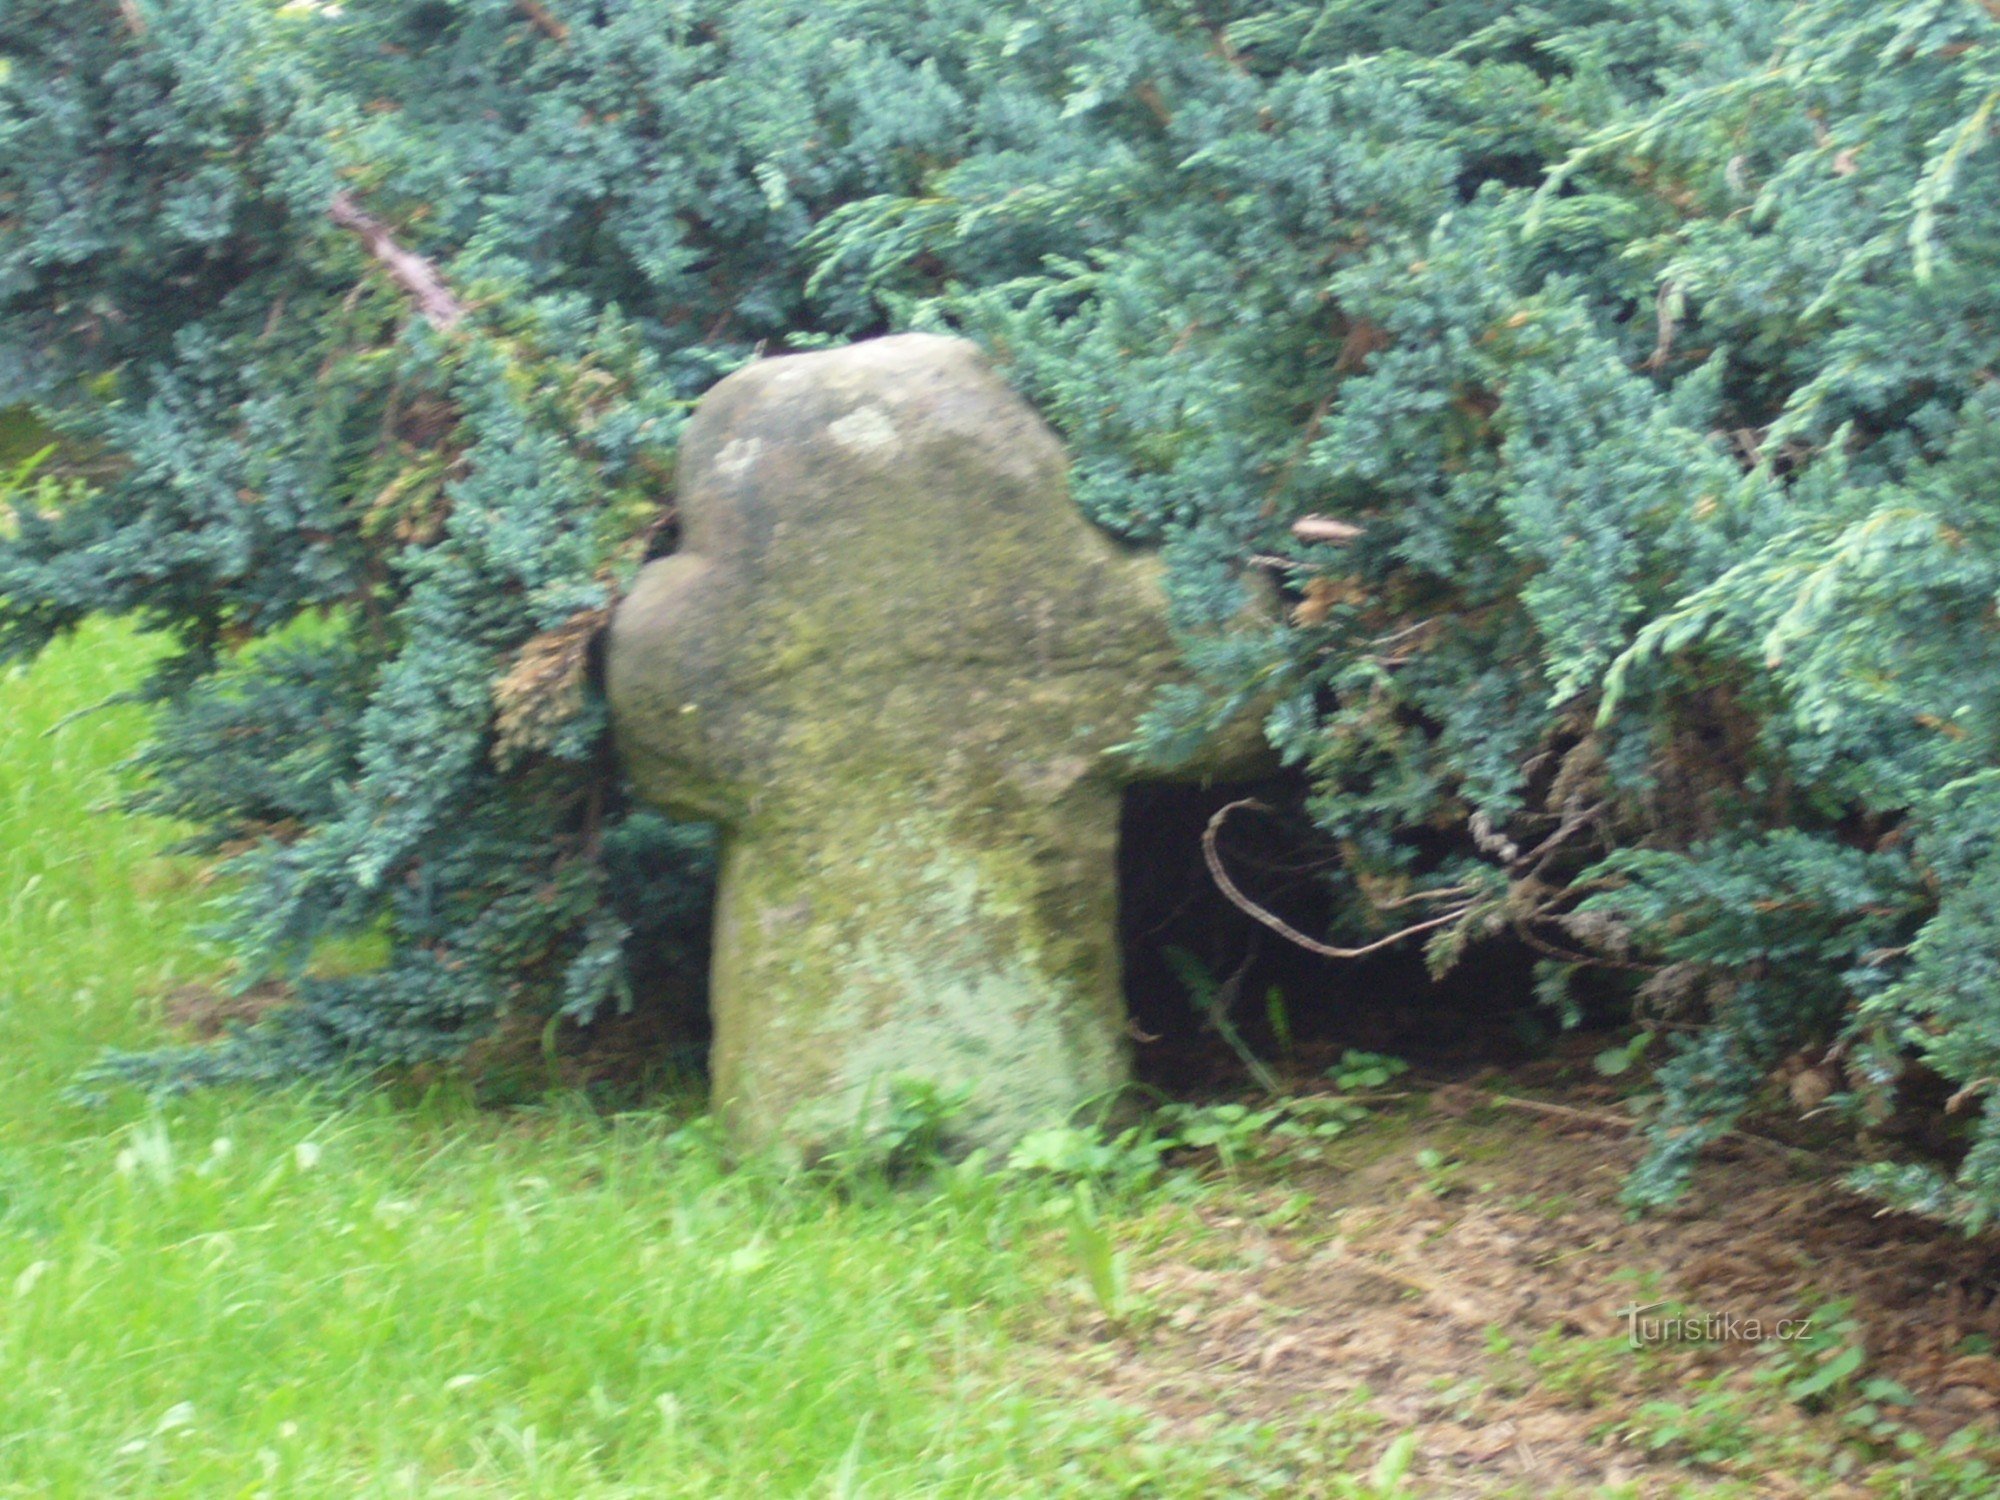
point(1459, 1268)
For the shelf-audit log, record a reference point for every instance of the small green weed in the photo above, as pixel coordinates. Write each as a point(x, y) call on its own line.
point(1215, 999)
point(1361, 1072)
point(1822, 1368)
point(1712, 1428)
point(1584, 1371)
point(1441, 1174)
point(1129, 1161)
point(1095, 1247)
point(907, 1138)
point(1285, 1128)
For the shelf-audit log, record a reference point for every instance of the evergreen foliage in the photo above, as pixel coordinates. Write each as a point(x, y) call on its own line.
point(1650, 345)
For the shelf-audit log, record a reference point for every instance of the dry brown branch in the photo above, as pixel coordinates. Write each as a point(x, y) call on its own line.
point(1441, 894)
point(1966, 1095)
point(1572, 819)
point(1278, 924)
point(1325, 529)
point(544, 19)
point(1669, 325)
point(542, 689)
point(410, 271)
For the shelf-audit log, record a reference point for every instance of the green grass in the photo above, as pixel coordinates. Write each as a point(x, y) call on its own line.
point(279, 1294)
point(288, 1294)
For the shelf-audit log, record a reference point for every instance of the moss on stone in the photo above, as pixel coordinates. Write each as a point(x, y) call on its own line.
point(894, 661)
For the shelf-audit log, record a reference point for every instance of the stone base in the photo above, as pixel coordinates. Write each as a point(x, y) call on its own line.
point(916, 953)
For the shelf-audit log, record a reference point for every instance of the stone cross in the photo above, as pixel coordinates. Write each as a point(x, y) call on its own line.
point(892, 660)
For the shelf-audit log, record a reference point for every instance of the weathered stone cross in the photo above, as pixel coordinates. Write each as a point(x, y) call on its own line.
point(891, 660)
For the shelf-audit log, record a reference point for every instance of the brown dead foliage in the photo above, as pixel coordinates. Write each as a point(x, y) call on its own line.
point(204, 1012)
point(543, 688)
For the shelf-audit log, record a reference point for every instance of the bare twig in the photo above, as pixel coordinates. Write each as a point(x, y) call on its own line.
point(1587, 960)
point(1440, 894)
point(1405, 633)
point(1573, 819)
point(406, 268)
point(1278, 924)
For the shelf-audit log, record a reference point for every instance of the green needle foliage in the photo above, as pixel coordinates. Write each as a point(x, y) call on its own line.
point(1651, 348)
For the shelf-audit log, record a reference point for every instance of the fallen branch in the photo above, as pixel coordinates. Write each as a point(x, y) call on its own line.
point(406, 268)
point(1601, 1118)
point(1277, 923)
point(1606, 1120)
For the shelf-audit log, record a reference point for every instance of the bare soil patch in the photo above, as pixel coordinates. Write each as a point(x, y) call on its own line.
point(1461, 1270)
